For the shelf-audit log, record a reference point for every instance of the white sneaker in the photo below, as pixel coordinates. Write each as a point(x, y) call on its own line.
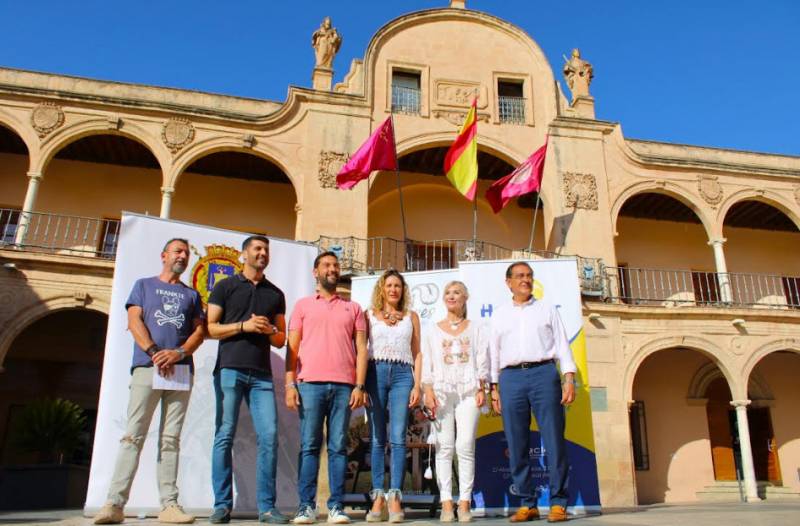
point(305, 515)
point(337, 516)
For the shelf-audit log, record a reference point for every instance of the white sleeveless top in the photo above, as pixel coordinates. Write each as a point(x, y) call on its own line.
point(390, 342)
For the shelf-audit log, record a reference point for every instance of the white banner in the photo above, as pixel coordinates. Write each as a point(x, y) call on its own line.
point(555, 281)
point(214, 252)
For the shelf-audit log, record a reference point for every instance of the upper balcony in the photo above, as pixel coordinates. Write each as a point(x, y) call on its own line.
point(97, 238)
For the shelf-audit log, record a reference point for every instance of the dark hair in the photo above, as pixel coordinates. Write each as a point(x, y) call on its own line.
point(516, 264)
point(325, 254)
point(258, 237)
point(172, 240)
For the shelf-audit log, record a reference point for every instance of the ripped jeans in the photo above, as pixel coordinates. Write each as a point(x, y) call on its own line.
point(141, 406)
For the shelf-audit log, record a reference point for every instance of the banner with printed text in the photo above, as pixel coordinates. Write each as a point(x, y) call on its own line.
point(215, 255)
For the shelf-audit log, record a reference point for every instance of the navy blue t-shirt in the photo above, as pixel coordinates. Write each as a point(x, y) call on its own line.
point(168, 311)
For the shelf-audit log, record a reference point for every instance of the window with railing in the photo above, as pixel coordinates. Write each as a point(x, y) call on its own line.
point(9, 222)
point(109, 236)
point(638, 422)
point(426, 256)
point(511, 102)
point(406, 92)
point(706, 287)
point(791, 291)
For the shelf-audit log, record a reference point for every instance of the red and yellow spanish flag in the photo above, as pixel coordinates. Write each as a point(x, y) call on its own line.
point(461, 161)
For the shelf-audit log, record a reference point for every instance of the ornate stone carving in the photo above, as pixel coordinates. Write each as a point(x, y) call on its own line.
point(579, 75)
point(457, 117)
point(46, 117)
point(710, 189)
point(797, 194)
point(580, 190)
point(326, 43)
point(248, 140)
point(329, 165)
point(177, 133)
point(114, 122)
point(459, 93)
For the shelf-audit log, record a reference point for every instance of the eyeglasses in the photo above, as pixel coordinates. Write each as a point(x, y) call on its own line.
point(425, 413)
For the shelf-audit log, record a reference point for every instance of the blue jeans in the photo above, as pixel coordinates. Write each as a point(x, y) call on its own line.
point(537, 389)
point(320, 401)
point(389, 385)
point(255, 387)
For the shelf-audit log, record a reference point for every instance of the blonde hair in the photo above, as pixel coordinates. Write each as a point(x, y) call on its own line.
point(379, 302)
point(464, 290)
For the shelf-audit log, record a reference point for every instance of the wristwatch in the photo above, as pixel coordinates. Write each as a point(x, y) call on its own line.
point(181, 353)
point(361, 387)
point(275, 329)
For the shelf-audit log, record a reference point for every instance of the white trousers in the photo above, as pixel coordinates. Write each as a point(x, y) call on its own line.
point(462, 414)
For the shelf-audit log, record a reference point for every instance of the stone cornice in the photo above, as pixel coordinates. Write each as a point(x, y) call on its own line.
point(699, 157)
point(49, 262)
point(151, 98)
point(620, 310)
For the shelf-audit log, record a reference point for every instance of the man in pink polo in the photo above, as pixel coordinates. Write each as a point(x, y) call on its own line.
point(326, 366)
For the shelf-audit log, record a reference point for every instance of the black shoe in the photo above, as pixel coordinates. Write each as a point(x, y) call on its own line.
point(273, 516)
point(220, 516)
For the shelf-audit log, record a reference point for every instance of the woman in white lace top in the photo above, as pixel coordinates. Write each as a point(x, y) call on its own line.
point(393, 384)
point(455, 370)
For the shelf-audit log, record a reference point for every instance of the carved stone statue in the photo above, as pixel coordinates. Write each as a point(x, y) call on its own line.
point(326, 42)
point(579, 75)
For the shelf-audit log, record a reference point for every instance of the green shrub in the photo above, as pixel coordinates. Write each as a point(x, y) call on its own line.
point(51, 428)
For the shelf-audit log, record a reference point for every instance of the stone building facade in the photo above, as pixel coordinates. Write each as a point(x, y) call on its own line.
point(691, 281)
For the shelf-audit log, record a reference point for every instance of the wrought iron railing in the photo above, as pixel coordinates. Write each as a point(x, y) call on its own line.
point(675, 288)
point(512, 109)
point(57, 233)
point(375, 254)
point(406, 100)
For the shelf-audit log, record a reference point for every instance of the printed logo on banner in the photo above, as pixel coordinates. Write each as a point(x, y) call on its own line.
point(220, 262)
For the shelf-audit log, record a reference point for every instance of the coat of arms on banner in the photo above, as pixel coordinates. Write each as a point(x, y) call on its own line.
point(220, 262)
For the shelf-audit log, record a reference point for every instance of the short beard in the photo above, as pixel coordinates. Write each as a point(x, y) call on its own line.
point(325, 284)
point(179, 268)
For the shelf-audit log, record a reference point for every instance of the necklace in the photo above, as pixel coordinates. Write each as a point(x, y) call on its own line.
point(454, 324)
point(391, 318)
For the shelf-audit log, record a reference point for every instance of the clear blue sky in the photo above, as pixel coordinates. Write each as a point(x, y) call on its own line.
point(707, 72)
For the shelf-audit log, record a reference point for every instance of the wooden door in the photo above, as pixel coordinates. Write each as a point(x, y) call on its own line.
point(762, 440)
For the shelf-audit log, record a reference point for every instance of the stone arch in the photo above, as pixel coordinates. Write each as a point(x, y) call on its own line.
point(666, 188)
point(34, 312)
point(694, 343)
point(101, 126)
point(708, 373)
point(229, 144)
point(23, 131)
point(783, 344)
point(767, 197)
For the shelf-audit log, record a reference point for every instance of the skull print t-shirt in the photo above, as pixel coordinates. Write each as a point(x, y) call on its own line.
point(169, 311)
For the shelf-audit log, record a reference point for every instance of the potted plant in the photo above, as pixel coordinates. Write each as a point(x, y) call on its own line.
point(50, 431)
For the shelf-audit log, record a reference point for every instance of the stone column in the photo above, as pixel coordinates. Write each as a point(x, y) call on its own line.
point(748, 468)
point(34, 178)
point(166, 201)
point(725, 291)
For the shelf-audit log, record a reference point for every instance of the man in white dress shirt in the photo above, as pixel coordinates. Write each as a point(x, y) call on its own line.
point(527, 339)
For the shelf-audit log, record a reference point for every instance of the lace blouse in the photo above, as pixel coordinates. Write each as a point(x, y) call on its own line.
point(390, 342)
point(455, 364)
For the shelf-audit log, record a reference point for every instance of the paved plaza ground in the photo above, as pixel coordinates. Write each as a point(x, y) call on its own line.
point(722, 514)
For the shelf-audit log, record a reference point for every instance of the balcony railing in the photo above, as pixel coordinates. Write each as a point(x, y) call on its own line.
point(375, 254)
point(676, 288)
point(60, 234)
point(405, 100)
point(512, 110)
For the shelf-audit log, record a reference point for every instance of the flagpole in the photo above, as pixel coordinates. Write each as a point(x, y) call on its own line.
point(475, 222)
point(400, 192)
point(535, 214)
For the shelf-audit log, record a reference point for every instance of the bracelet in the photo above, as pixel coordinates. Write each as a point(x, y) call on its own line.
point(150, 351)
point(573, 382)
point(241, 326)
point(291, 385)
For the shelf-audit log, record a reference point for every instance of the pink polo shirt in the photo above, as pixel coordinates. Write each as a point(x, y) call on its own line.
point(327, 338)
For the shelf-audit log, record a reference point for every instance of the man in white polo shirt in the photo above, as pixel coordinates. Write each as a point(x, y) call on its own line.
point(527, 339)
